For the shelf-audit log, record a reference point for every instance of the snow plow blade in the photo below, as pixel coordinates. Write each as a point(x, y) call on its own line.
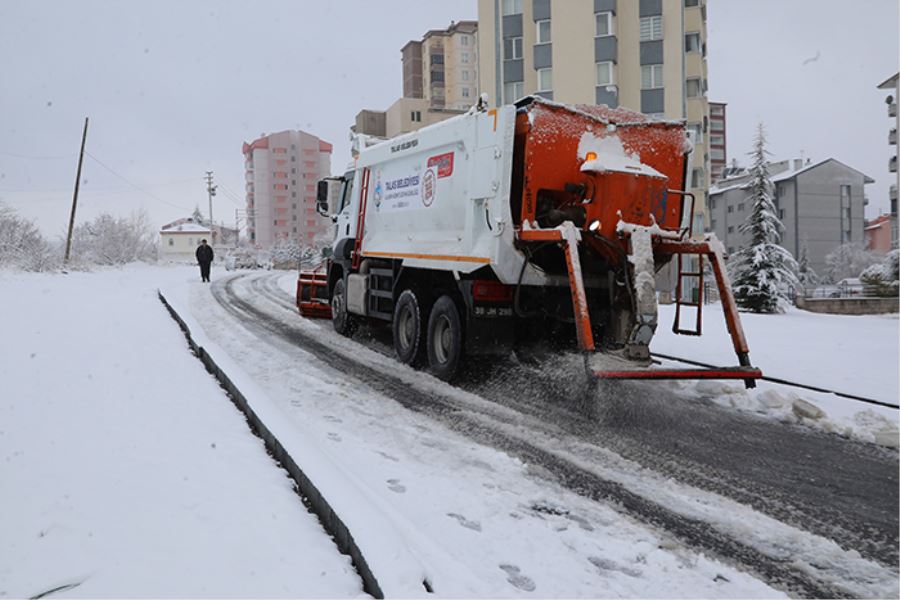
point(312, 294)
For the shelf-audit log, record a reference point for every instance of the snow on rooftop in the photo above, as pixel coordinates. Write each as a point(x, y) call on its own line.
point(185, 228)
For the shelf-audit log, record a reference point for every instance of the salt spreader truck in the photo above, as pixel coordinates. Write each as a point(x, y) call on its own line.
point(533, 220)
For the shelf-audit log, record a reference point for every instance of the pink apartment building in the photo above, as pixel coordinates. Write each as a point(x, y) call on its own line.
point(282, 170)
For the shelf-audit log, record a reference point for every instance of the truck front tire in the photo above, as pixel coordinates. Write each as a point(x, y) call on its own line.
point(344, 323)
point(445, 338)
point(409, 330)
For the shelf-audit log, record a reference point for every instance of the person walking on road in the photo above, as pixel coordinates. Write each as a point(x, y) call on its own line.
point(204, 259)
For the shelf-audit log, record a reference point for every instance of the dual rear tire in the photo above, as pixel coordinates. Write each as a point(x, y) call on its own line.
point(437, 338)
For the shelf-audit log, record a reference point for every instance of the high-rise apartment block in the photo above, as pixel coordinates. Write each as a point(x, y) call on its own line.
point(646, 55)
point(440, 80)
point(718, 156)
point(282, 170)
point(891, 83)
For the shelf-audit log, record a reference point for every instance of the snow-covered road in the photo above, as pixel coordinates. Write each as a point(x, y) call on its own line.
point(125, 471)
point(749, 490)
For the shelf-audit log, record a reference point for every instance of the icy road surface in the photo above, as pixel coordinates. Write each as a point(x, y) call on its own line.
point(527, 489)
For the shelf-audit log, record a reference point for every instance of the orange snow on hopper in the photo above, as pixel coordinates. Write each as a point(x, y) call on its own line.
point(312, 294)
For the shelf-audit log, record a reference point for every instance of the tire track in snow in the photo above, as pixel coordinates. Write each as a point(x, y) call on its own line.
point(839, 489)
point(792, 574)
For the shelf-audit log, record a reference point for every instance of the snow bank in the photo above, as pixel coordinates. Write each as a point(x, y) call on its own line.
point(855, 355)
point(126, 471)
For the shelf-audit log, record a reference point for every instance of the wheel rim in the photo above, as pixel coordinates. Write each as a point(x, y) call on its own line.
point(443, 339)
point(404, 329)
point(337, 306)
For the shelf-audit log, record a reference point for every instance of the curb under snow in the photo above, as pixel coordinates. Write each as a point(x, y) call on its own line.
point(400, 574)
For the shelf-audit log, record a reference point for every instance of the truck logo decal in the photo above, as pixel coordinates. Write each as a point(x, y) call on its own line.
point(404, 146)
point(379, 192)
point(429, 183)
point(444, 164)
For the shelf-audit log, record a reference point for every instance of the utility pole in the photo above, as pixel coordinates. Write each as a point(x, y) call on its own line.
point(211, 191)
point(75, 196)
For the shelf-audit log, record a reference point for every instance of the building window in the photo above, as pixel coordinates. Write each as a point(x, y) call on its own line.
point(781, 214)
point(465, 92)
point(712, 224)
point(845, 213)
point(740, 207)
point(605, 73)
point(730, 249)
point(694, 87)
point(465, 57)
point(651, 28)
point(716, 140)
point(697, 178)
point(717, 154)
point(512, 7)
point(512, 48)
point(171, 242)
point(690, 3)
point(731, 229)
point(692, 42)
point(731, 209)
point(603, 24)
point(463, 40)
point(651, 77)
point(545, 80)
point(543, 31)
point(696, 130)
point(415, 116)
point(465, 75)
point(513, 91)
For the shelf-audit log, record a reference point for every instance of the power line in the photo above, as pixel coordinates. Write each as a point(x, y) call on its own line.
point(135, 186)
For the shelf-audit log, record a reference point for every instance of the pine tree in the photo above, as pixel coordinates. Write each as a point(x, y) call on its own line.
point(763, 273)
point(807, 277)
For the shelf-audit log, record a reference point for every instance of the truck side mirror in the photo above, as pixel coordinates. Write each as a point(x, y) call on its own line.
point(322, 198)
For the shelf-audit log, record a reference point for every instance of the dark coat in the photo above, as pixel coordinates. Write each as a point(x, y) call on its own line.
point(204, 254)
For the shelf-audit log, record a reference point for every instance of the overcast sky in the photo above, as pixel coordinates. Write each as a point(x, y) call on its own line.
point(174, 88)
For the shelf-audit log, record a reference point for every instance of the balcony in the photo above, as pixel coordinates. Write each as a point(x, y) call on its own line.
point(892, 137)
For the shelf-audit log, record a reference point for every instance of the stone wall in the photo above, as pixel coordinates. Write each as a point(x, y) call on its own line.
point(850, 306)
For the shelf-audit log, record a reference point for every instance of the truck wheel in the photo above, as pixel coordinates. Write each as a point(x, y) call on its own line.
point(445, 343)
point(344, 323)
point(409, 330)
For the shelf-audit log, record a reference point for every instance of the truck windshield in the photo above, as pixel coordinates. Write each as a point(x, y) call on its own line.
point(347, 191)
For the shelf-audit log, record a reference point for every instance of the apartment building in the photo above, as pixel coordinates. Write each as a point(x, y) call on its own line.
point(645, 55)
point(891, 83)
point(282, 170)
point(821, 205)
point(440, 80)
point(718, 156)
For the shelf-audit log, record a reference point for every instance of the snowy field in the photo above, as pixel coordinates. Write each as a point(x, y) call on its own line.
point(132, 474)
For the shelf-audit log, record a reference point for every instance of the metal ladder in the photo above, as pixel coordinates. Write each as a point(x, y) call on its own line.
point(680, 290)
